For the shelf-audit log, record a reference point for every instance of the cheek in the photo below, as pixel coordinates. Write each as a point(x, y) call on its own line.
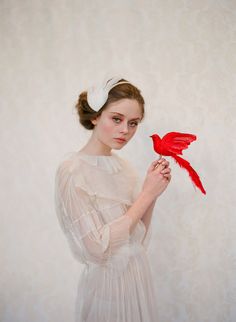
point(132, 131)
point(107, 127)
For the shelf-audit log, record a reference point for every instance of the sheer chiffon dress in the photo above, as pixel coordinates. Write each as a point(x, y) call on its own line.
point(92, 195)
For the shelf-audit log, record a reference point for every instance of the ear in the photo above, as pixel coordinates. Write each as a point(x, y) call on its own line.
point(95, 120)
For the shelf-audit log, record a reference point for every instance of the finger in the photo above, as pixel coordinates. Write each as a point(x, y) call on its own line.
point(160, 166)
point(166, 170)
point(167, 176)
point(157, 162)
point(153, 165)
point(160, 160)
point(166, 163)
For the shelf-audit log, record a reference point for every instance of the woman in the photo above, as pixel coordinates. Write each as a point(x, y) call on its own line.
point(105, 211)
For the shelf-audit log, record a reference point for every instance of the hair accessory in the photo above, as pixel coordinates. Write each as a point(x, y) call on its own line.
point(97, 95)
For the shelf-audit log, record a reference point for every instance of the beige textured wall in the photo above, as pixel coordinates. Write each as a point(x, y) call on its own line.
point(182, 54)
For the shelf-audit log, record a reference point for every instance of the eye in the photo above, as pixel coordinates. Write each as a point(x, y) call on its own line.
point(133, 124)
point(115, 119)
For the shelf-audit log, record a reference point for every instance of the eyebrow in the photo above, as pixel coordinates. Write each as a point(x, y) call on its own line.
point(137, 118)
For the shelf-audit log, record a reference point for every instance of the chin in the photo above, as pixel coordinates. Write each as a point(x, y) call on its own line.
point(116, 146)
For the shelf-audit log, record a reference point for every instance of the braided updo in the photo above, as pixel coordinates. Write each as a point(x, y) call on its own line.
point(86, 113)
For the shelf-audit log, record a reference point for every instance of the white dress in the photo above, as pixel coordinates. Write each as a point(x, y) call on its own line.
point(92, 195)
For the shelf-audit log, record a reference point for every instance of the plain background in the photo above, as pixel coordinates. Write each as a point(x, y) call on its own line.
point(182, 55)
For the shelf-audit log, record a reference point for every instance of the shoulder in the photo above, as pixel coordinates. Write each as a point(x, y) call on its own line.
point(68, 164)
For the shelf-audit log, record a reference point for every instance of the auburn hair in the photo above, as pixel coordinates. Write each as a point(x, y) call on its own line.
point(118, 92)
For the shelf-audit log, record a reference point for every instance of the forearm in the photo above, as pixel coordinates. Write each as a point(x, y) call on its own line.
point(147, 217)
point(142, 206)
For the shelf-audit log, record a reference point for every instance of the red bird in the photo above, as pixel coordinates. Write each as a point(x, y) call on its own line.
point(172, 144)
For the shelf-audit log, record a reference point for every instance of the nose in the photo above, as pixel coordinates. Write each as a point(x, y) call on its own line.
point(124, 128)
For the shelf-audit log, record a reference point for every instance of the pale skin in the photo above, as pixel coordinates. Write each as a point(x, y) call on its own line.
point(120, 120)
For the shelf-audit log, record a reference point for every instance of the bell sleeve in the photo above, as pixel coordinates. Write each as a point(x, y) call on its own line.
point(90, 239)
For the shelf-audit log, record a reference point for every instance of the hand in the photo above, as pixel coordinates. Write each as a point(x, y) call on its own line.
point(158, 177)
point(166, 170)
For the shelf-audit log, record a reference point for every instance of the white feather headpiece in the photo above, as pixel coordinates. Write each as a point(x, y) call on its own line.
point(97, 95)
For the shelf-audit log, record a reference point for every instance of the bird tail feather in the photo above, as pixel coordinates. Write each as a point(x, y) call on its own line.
point(192, 173)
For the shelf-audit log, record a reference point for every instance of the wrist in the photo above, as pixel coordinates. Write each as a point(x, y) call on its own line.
point(147, 197)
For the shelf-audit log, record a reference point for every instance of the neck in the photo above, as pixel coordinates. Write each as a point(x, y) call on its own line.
point(96, 147)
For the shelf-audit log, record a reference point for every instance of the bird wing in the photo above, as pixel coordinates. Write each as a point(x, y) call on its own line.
point(175, 142)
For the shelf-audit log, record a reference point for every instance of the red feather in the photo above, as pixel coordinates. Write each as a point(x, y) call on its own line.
point(192, 173)
point(174, 143)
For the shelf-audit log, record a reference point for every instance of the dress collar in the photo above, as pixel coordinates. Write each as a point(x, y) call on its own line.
point(110, 163)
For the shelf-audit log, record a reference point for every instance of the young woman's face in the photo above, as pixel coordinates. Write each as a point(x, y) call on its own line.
point(118, 123)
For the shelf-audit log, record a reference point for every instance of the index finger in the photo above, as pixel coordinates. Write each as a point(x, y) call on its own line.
point(160, 160)
point(158, 164)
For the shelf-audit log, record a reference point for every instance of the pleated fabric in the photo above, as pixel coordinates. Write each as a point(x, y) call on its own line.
point(92, 196)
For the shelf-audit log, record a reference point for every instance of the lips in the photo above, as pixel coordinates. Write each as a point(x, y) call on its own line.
point(120, 139)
